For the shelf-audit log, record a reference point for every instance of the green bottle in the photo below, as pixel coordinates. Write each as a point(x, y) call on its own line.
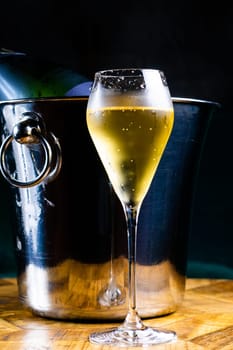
point(24, 76)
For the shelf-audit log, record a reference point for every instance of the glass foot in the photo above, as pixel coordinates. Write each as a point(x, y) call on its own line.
point(122, 337)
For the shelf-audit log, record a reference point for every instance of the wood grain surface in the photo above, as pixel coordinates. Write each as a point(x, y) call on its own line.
point(203, 321)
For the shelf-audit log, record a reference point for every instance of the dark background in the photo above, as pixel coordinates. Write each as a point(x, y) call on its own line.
point(190, 41)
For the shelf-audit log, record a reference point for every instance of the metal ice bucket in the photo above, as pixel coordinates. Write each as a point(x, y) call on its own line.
point(70, 234)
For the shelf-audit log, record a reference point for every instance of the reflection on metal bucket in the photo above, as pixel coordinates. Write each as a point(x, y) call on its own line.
point(70, 228)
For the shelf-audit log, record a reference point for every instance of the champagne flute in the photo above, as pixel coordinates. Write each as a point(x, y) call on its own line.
point(130, 117)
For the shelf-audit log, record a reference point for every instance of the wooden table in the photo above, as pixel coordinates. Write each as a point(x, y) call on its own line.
point(203, 321)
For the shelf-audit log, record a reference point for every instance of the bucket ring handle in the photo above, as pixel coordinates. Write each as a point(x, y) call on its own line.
point(31, 130)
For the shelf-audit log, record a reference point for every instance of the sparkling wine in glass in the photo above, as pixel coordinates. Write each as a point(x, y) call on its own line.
point(130, 118)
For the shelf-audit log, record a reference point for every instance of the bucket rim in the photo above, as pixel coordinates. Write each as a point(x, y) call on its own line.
point(195, 101)
point(185, 100)
point(44, 99)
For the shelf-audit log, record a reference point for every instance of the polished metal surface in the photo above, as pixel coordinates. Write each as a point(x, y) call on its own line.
point(70, 236)
point(30, 130)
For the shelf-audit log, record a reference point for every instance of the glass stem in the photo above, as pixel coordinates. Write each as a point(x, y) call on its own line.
point(132, 320)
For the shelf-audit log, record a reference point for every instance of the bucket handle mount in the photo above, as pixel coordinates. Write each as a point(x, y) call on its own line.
point(30, 130)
